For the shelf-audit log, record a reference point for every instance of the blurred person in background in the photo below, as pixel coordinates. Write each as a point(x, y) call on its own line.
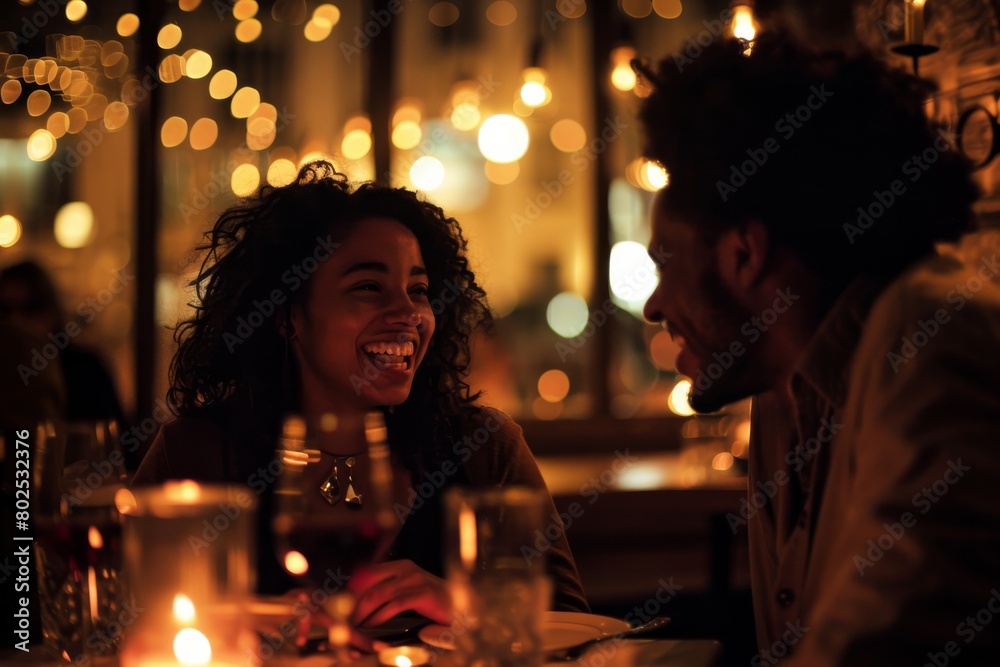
point(820, 263)
point(28, 298)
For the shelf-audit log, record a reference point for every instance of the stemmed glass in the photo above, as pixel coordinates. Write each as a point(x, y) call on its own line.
point(333, 514)
point(79, 469)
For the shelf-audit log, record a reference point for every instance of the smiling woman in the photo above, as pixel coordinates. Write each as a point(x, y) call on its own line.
point(331, 300)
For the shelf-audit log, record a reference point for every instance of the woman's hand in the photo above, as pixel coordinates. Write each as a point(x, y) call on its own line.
point(386, 590)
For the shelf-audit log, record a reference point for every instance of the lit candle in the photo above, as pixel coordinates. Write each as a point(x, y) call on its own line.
point(404, 656)
point(914, 21)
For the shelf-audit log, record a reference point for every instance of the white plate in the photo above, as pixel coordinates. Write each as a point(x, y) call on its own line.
point(560, 629)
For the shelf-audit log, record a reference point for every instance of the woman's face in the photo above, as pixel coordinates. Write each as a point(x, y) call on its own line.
point(367, 322)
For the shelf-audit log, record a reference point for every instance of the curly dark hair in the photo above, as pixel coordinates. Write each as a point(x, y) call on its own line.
point(248, 255)
point(710, 116)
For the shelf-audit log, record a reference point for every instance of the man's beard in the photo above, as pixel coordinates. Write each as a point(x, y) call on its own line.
point(723, 318)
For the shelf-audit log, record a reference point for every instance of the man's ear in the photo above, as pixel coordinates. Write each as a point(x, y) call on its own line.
point(742, 254)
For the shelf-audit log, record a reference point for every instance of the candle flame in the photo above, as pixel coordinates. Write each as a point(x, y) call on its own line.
point(743, 23)
point(191, 647)
point(185, 491)
point(403, 661)
point(125, 501)
point(183, 608)
point(467, 539)
point(94, 538)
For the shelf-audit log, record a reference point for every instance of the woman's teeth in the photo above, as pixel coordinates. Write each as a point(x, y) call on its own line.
point(390, 349)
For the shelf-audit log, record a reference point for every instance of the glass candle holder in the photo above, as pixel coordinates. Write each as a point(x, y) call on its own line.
point(190, 567)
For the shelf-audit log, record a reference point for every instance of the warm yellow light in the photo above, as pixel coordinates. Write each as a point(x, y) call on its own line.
point(407, 110)
point(182, 491)
point(678, 400)
point(245, 102)
point(572, 10)
point(169, 36)
point(553, 385)
point(567, 314)
point(76, 10)
point(74, 224)
point(468, 539)
point(115, 116)
point(317, 30)
point(173, 132)
point(191, 647)
point(183, 608)
point(722, 461)
point(244, 180)
point(503, 138)
point(406, 135)
point(743, 23)
point(281, 172)
point(356, 144)
point(501, 13)
point(188, 5)
point(427, 173)
point(655, 176)
point(632, 273)
point(10, 91)
point(10, 230)
point(533, 93)
point(501, 174)
point(568, 135)
point(41, 145)
point(245, 9)
point(198, 65)
point(171, 68)
point(204, 132)
point(38, 102)
point(296, 563)
point(249, 30)
point(327, 13)
point(403, 661)
point(465, 116)
point(77, 120)
point(222, 85)
point(127, 24)
point(667, 9)
point(623, 77)
point(663, 350)
point(443, 14)
point(637, 9)
point(58, 124)
point(125, 502)
point(94, 538)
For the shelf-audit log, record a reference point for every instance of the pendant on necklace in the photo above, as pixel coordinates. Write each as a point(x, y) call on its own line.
point(353, 498)
point(330, 489)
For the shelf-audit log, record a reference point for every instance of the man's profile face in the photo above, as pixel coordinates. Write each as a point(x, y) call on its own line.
point(702, 316)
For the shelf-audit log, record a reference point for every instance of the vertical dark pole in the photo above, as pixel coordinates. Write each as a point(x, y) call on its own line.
point(147, 211)
point(381, 84)
point(603, 21)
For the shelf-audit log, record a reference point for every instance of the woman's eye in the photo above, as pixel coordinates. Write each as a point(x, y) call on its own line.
point(420, 290)
point(366, 287)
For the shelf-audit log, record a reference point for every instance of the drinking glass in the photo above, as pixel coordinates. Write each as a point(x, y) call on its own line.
point(333, 514)
point(499, 587)
point(79, 469)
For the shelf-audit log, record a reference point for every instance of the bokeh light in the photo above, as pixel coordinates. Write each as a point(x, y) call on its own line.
point(356, 144)
point(443, 14)
point(245, 9)
point(553, 385)
point(245, 102)
point(503, 138)
point(317, 30)
point(74, 224)
point(38, 102)
point(568, 135)
point(57, 124)
point(465, 116)
point(173, 132)
point(197, 64)
point(169, 36)
point(326, 14)
point(427, 173)
point(222, 85)
point(667, 9)
point(204, 132)
point(249, 30)
point(406, 135)
point(632, 275)
point(281, 172)
point(115, 116)
point(244, 180)
point(678, 399)
point(127, 24)
point(567, 314)
point(10, 230)
point(501, 174)
point(501, 13)
point(76, 10)
point(41, 144)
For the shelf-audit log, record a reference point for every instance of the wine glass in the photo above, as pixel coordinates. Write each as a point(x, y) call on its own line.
point(80, 469)
point(333, 513)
